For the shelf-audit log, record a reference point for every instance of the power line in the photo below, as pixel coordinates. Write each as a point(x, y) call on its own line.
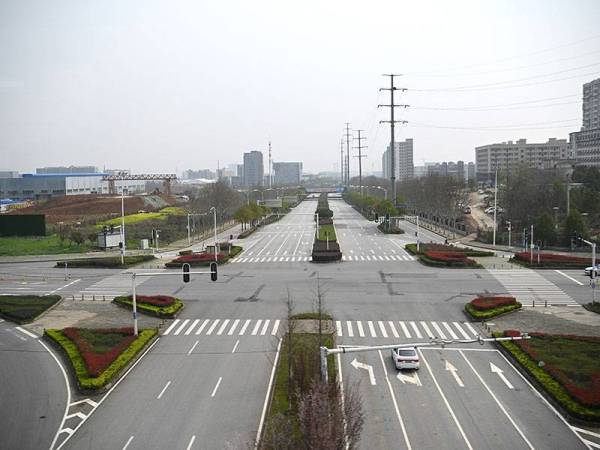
point(497, 127)
point(475, 109)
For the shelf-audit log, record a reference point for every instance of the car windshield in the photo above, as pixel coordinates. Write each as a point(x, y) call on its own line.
point(408, 352)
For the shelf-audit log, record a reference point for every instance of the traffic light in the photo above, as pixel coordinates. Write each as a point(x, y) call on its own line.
point(121, 245)
point(213, 271)
point(387, 217)
point(186, 273)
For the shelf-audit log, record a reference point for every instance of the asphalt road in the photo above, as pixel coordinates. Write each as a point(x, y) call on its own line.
point(213, 364)
point(33, 393)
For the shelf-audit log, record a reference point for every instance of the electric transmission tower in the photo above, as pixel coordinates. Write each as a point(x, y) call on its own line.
point(392, 122)
point(342, 171)
point(348, 154)
point(360, 156)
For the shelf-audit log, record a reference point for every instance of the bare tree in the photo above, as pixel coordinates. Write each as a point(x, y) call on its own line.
point(290, 329)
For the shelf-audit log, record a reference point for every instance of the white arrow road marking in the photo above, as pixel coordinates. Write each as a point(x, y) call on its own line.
point(191, 442)
point(412, 379)
point(127, 443)
point(497, 370)
point(453, 370)
point(163, 390)
point(367, 367)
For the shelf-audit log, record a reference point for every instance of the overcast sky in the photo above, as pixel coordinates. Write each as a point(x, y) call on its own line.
point(159, 86)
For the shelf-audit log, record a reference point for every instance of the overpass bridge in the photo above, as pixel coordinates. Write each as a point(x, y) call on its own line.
point(329, 190)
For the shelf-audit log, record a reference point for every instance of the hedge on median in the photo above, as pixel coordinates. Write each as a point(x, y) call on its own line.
point(25, 308)
point(448, 259)
point(106, 262)
point(412, 248)
point(85, 380)
point(203, 259)
point(163, 306)
point(551, 261)
point(386, 229)
point(482, 308)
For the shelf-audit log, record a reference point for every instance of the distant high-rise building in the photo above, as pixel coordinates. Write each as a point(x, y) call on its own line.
point(287, 173)
point(66, 170)
point(403, 159)
point(591, 105)
point(205, 174)
point(585, 144)
point(253, 169)
point(448, 168)
point(471, 171)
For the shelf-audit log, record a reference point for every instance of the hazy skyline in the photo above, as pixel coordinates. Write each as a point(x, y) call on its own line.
point(158, 86)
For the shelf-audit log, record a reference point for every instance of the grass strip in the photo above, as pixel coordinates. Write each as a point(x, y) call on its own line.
point(25, 308)
point(327, 232)
point(106, 262)
point(484, 315)
point(84, 381)
point(549, 384)
point(157, 311)
point(46, 245)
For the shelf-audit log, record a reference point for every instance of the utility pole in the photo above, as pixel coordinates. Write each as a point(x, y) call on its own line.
point(342, 161)
point(270, 174)
point(495, 205)
point(392, 122)
point(348, 154)
point(360, 156)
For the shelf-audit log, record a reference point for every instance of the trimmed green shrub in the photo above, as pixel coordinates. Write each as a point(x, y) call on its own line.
point(106, 262)
point(412, 248)
point(25, 308)
point(84, 381)
point(389, 230)
point(158, 311)
point(484, 315)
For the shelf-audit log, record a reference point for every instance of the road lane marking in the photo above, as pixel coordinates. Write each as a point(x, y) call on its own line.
point(361, 332)
point(382, 328)
point(193, 347)
point(199, 330)
point(243, 330)
point(28, 333)
point(439, 389)
point(275, 328)
point(454, 371)
point(498, 371)
point(450, 330)
point(222, 327)
point(350, 330)
point(191, 442)
point(439, 330)
point(389, 384)
point(371, 328)
point(338, 326)
point(191, 327)
point(416, 330)
point(233, 327)
point(235, 346)
point(256, 327)
point(368, 367)
point(393, 328)
point(404, 329)
point(168, 330)
point(127, 443)
point(181, 327)
point(212, 327)
point(61, 288)
point(264, 329)
point(569, 277)
point(266, 402)
point(163, 390)
point(463, 332)
point(496, 400)
point(216, 387)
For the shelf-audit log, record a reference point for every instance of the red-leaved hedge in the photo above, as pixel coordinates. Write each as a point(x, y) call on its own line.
point(586, 395)
point(96, 363)
point(198, 257)
point(449, 257)
point(552, 258)
point(154, 300)
point(487, 303)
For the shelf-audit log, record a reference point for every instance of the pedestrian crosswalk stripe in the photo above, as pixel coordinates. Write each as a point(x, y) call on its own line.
point(212, 327)
point(438, 330)
point(461, 331)
point(450, 330)
point(233, 327)
point(256, 327)
point(471, 329)
point(361, 331)
point(199, 330)
point(405, 329)
point(382, 329)
point(168, 330)
point(338, 326)
point(264, 329)
point(182, 326)
point(222, 328)
point(427, 330)
point(393, 328)
point(243, 330)
point(416, 330)
point(371, 328)
point(275, 328)
point(350, 330)
point(191, 327)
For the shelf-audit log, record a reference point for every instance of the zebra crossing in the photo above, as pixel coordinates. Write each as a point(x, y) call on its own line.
point(529, 287)
point(111, 287)
point(292, 259)
point(378, 329)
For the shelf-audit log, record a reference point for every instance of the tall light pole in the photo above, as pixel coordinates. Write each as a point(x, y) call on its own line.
point(122, 225)
point(495, 205)
point(509, 230)
point(342, 161)
point(214, 210)
point(360, 156)
point(555, 208)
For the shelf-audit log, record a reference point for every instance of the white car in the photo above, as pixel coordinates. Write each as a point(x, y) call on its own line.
point(589, 269)
point(405, 358)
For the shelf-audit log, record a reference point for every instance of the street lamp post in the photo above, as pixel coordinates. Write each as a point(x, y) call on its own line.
point(122, 225)
point(495, 206)
point(214, 210)
point(509, 230)
point(555, 208)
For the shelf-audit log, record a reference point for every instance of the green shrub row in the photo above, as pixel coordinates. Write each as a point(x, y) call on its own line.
point(86, 382)
point(484, 315)
point(550, 385)
point(25, 308)
point(412, 248)
point(433, 263)
point(235, 250)
point(167, 312)
point(327, 232)
point(389, 230)
point(548, 264)
point(106, 262)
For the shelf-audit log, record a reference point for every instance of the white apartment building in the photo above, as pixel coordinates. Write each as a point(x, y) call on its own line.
point(403, 159)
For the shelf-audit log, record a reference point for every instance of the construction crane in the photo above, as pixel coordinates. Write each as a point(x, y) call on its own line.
point(149, 177)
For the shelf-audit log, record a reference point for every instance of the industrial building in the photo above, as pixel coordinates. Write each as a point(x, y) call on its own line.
point(287, 173)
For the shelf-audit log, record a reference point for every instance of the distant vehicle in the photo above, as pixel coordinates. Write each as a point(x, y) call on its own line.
point(480, 191)
point(489, 210)
point(467, 210)
point(589, 269)
point(405, 358)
